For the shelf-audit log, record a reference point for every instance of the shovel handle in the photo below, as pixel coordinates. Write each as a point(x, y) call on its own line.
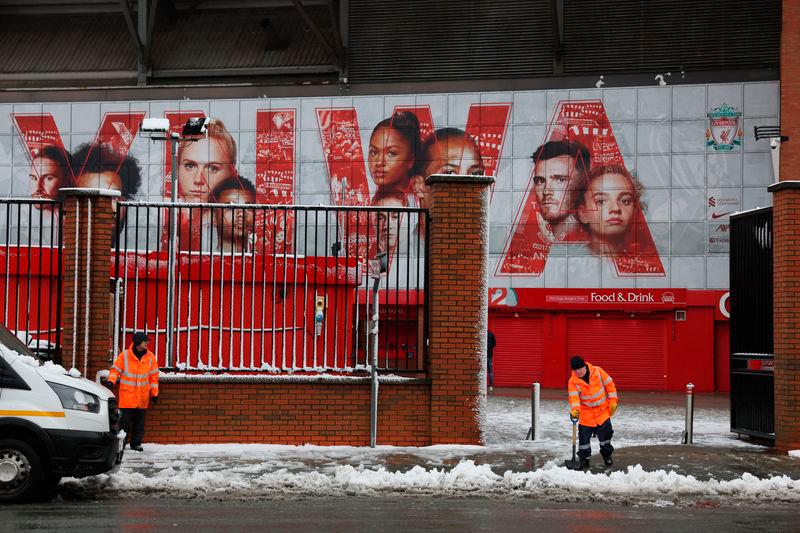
point(573, 420)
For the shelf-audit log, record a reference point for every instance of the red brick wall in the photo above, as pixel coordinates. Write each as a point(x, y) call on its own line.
point(280, 412)
point(786, 302)
point(790, 89)
point(458, 306)
point(786, 243)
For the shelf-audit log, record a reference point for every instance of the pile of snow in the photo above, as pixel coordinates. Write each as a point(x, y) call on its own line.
point(794, 453)
point(465, 478)
point(52, 368)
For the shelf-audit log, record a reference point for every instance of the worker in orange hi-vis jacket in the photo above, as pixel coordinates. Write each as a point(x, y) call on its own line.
point(593, 401)
point(136, 369)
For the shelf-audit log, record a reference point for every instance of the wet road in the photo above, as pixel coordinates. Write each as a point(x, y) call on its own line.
point(387, 514)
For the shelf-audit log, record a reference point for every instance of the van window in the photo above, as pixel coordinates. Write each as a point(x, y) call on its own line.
point(12, 342)
point(9, 379)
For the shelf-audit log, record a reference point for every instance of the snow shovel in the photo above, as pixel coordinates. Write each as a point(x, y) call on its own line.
point(573, 464)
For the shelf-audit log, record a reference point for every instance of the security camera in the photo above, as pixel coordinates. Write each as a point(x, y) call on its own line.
point(774, 142)
point(195, 127)
point(155, 125)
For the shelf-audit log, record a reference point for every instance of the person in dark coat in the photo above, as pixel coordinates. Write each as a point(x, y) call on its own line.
point(490, 344)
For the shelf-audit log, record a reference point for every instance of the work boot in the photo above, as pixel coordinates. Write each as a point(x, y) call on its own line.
point(583, 464)
point(607, 460)
point(137, 448)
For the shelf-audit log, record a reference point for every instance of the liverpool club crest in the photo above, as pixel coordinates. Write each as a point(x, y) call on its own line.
point(724, 131)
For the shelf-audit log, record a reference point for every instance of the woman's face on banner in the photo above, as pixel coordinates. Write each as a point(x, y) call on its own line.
point(390, 159)
point(609, 205)
point(454, 156)
point(203, 165)
point(46, 178)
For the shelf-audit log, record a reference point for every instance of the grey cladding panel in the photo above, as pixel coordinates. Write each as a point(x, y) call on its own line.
point(446, 40)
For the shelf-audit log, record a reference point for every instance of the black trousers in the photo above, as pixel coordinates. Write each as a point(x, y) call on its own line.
point(132, 422)
point(604, 433)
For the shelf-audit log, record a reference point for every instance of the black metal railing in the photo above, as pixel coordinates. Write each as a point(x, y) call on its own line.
point(30, 272)
point(248, 281)
point(751, 324)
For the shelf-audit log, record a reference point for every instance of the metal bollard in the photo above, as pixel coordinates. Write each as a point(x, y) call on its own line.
point(688, 433)
point(533, 432)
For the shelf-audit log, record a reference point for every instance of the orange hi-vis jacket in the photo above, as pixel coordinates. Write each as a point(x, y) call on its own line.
point(593, 399)
point(138, 379)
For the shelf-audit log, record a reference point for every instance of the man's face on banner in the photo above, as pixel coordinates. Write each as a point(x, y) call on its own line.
point(553, 180)
point(454, 155)
point(46, 178)
point(236, 224)
point(609, 206)
point(101, 180)
point(202, 167)
point(388, 225)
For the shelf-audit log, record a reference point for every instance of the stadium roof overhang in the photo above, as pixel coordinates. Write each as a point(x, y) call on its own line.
point(145, 42)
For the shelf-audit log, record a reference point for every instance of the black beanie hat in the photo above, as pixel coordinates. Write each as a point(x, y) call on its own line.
point(577, 362)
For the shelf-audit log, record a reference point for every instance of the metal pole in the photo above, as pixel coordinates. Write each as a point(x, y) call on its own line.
point(688, 432)
point(536, 405)
point(173, 235)
point(533, 432)
point(374, 373)
point(117, 291)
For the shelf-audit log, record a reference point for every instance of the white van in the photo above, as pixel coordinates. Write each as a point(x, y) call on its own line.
point(53, 423)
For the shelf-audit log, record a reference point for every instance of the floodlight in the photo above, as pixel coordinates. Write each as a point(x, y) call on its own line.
point(155, 125)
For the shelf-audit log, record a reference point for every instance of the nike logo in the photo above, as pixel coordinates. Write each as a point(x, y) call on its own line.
point(720, 215)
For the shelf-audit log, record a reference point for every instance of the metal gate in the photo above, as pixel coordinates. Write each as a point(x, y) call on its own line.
point(271, 288)
point(30, 272)
point(752, 356)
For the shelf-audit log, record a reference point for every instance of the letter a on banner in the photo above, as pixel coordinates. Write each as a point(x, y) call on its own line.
point(275, 145)
point(526, 250)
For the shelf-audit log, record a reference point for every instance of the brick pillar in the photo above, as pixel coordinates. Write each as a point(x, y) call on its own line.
point(786, 243)
point(786, 320)
point(458, 251)
point(89, 210)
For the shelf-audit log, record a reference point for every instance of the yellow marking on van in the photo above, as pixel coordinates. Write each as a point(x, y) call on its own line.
point(51, 414)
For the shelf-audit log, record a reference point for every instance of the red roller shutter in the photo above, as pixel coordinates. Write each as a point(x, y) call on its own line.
point(519, 352)
point(631, 350)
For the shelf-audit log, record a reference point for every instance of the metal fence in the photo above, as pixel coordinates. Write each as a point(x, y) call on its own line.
point(30, 272)
point(752, 356)
point(271, 288)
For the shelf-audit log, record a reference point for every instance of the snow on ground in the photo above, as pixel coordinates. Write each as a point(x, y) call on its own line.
point(507, 466)
point(794, 453)
point(508, 420)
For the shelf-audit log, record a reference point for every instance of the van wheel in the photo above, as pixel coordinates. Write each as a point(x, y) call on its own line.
point(20, 471)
